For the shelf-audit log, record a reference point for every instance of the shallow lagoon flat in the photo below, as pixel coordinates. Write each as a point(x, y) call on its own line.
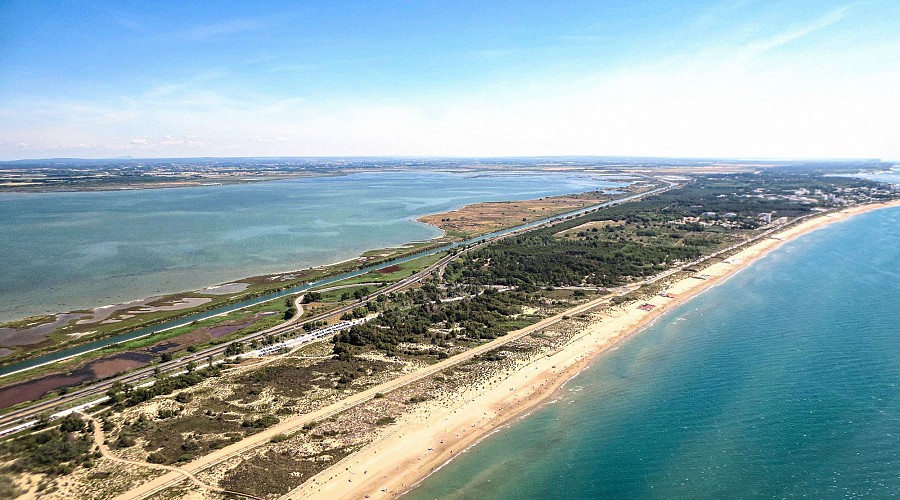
point(64, 251)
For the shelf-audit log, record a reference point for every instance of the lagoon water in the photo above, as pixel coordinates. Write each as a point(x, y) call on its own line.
point(784, 381)
point(64, 251)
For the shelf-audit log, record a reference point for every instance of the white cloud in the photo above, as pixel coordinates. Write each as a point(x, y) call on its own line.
point(722, 101)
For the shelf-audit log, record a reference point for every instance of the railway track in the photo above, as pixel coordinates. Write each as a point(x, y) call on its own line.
point(14, 420)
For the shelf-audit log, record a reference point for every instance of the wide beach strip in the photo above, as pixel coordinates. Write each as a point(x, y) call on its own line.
point(434, 433)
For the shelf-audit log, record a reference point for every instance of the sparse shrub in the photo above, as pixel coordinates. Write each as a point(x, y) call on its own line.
point(124, 441)
point(385, 421)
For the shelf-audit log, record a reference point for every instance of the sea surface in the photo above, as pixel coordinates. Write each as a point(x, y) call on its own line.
point(66, 251)
point(782, 382)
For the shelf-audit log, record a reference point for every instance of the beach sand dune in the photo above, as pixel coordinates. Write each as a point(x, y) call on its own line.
point(432, 434)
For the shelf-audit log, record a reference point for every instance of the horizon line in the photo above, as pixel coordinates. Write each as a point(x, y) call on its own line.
point(452, 157)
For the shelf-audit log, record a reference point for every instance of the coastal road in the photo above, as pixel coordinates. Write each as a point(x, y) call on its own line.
point(296, 422)
point(16, 419)
point(291, 424)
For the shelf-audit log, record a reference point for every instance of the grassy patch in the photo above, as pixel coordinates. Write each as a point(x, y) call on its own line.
point(294, 381)
point(349, 293)
point(278, 472)
point(184, 438)
point(404, 270)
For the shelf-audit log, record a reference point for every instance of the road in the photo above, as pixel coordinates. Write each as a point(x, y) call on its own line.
point(100, 441)
point(16, 419)
point(100, 388)
point(292, 424)
point(188, 470)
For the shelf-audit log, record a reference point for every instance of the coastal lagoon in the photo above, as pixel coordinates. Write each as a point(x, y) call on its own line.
point(783, 381)
point(891, 175)
point(66, 251)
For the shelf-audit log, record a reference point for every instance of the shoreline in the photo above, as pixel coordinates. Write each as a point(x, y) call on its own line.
point(407, 250)
point(427, 438)
point(367, 258)
point(361, 256)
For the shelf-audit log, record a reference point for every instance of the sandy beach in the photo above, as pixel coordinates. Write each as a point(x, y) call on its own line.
point(426, 438)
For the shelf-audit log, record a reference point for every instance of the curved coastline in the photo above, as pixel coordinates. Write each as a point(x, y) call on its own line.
point(433, 234)
point(283, 226)
point(428, 437)
point(241, 300)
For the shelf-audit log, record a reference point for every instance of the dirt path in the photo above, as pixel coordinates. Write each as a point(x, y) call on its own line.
point(100, 439)
point(289, 425)
point(427, 438)
point(298, 305)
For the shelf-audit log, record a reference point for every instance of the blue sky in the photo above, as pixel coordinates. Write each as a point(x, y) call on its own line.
point(733, 78)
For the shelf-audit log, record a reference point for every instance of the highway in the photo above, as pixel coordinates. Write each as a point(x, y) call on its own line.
point(16, 418)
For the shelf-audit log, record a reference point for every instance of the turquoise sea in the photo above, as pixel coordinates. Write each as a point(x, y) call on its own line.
point(782, 382)
point(65, 251)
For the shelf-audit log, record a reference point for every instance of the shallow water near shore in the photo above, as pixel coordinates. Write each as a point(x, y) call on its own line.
point(783, 381)
point(65, 251)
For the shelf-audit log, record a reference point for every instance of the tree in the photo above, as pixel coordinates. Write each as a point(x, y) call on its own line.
point(71, 423)
point(234, 348)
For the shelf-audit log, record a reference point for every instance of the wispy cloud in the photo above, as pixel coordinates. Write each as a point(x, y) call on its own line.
point(218, 30)
point(132, 25)
point(166, 141)
point(766, 44)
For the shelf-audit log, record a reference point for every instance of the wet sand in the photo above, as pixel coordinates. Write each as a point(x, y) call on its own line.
point(178, 305)
point(11, 337)
point(226, 289)
point(99, 369)
point(99, 314)
point(220, 331)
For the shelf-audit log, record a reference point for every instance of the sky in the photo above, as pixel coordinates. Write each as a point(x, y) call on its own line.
point(727, 78)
